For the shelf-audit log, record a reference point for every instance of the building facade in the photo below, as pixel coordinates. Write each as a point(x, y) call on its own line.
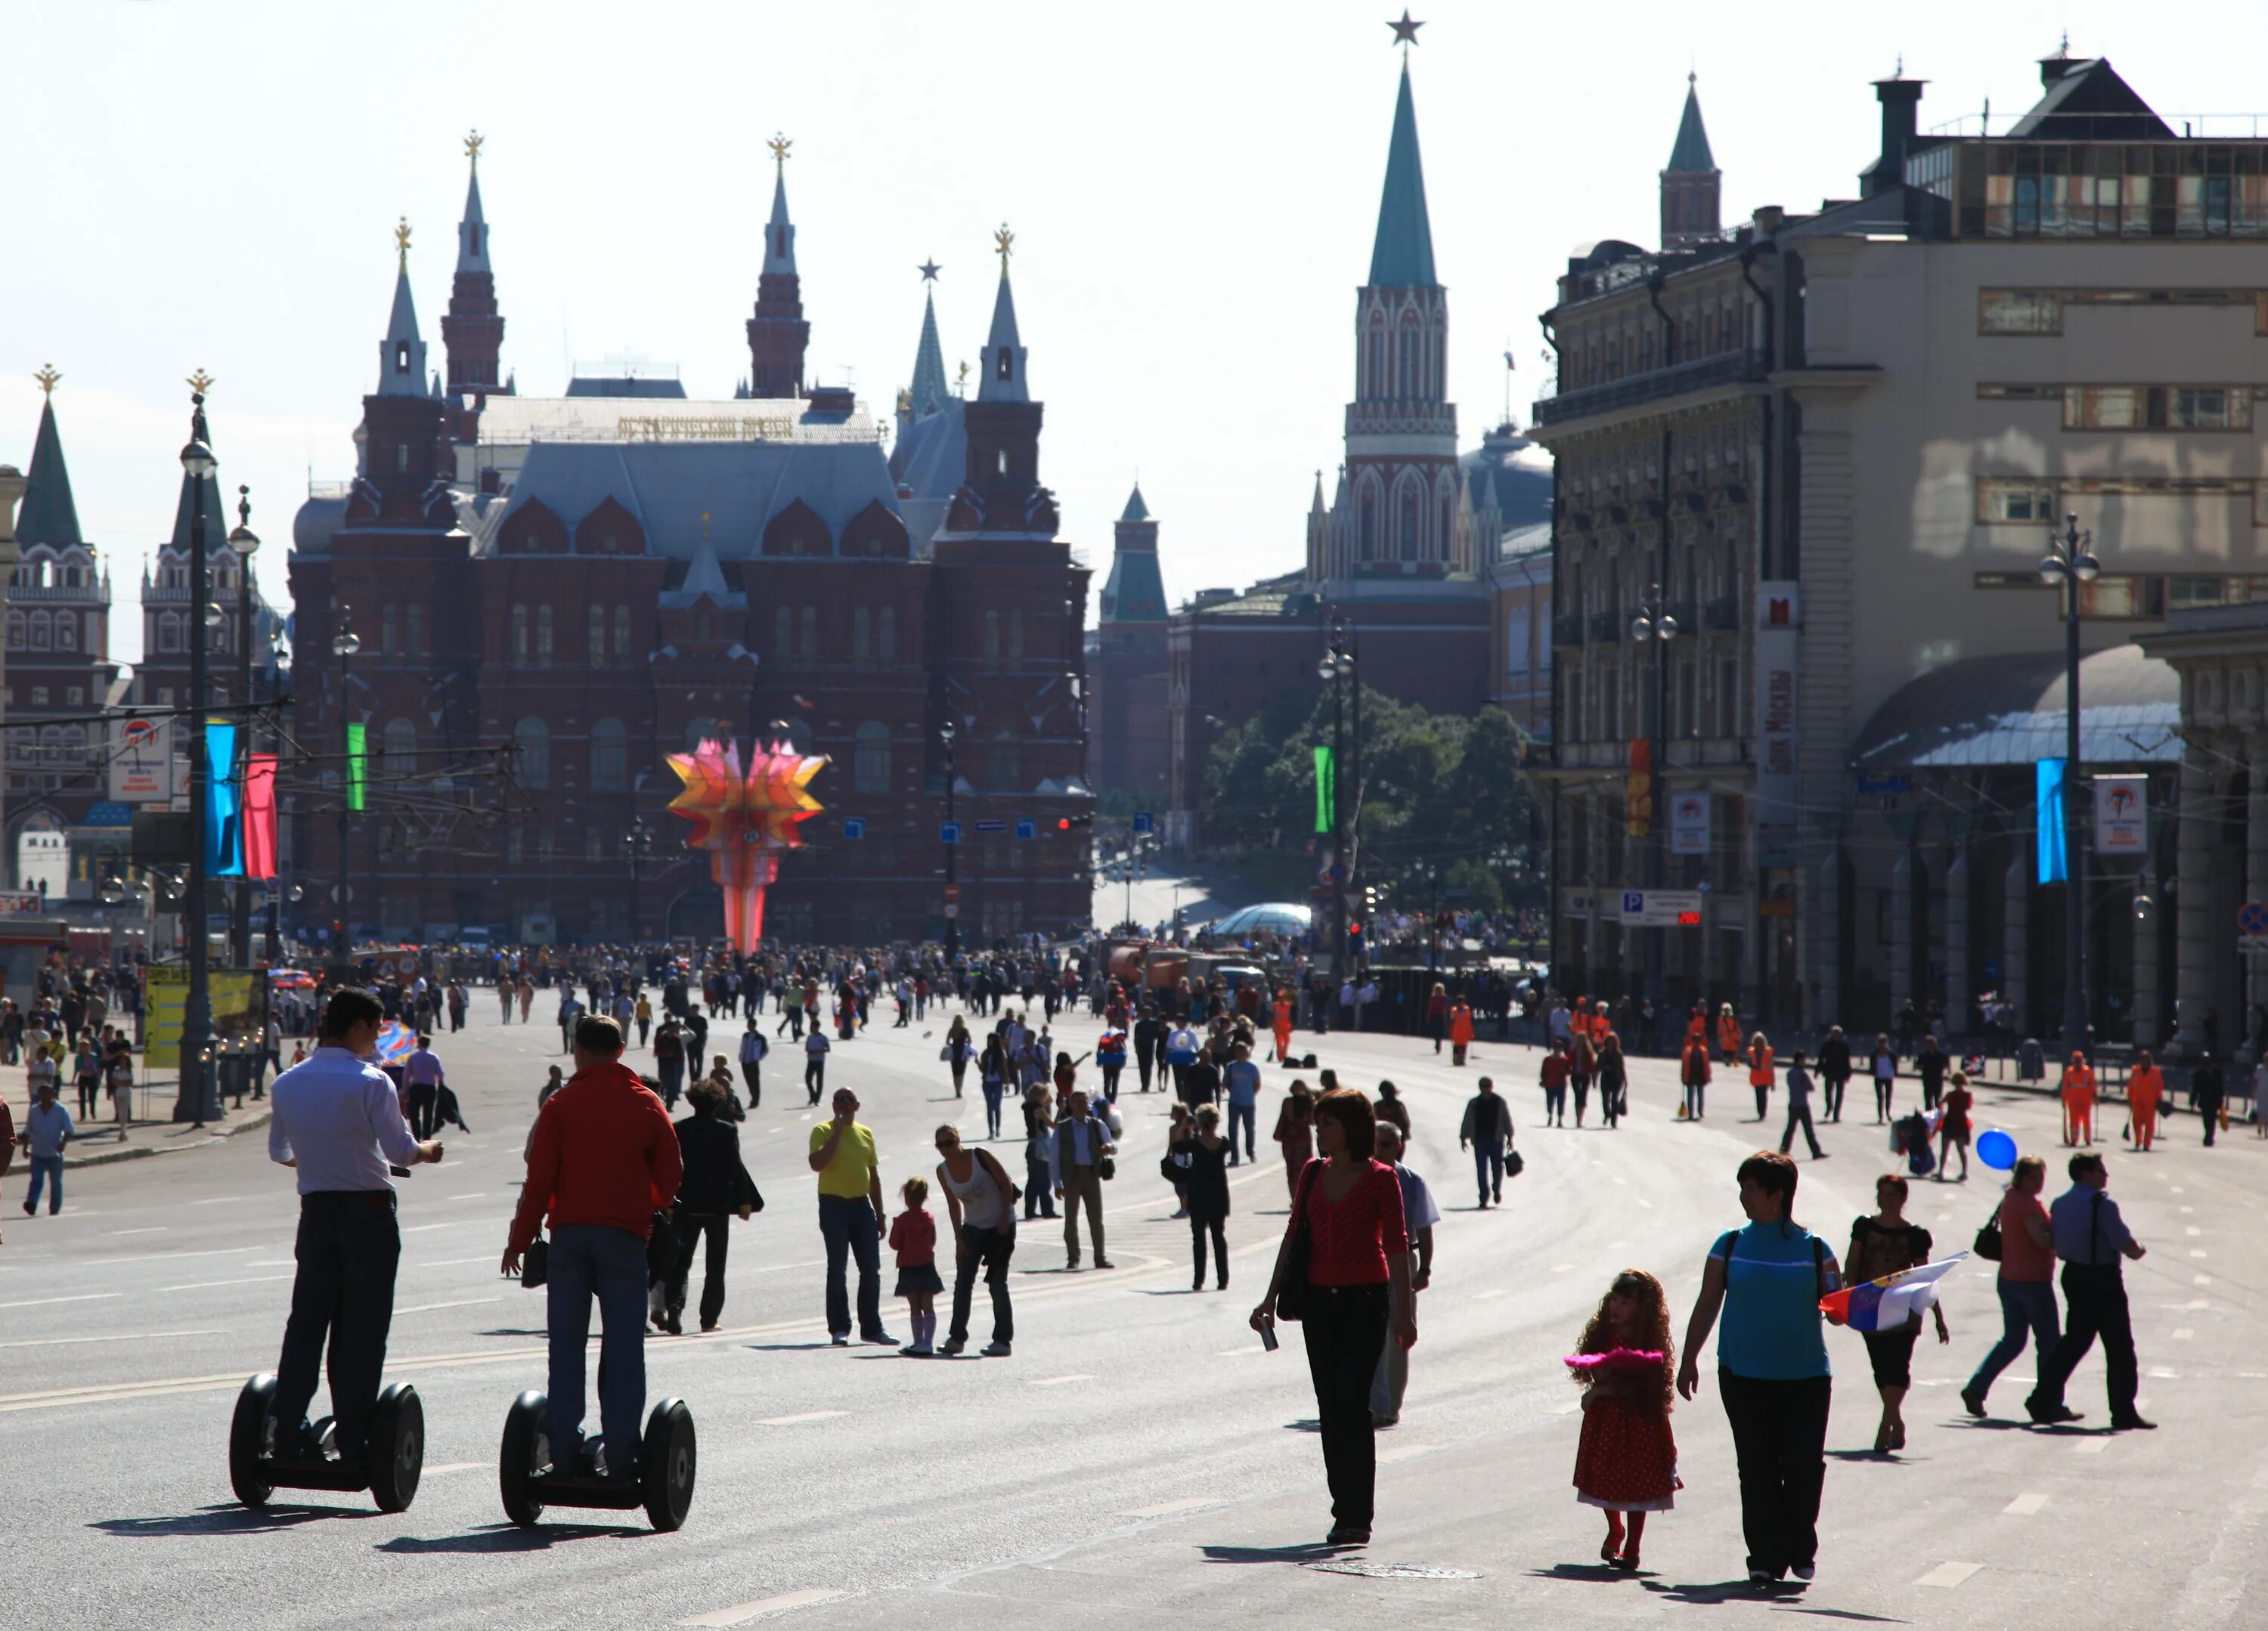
point(1126, 664)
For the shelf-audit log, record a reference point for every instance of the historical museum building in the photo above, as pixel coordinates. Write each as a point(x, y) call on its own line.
point(549, 596)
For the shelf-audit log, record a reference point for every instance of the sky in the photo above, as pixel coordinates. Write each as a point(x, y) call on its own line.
point(1193, 190)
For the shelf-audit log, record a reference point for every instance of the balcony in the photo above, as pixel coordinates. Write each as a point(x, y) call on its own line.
point(1635, 390)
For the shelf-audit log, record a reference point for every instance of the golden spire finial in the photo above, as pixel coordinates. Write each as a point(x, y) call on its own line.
point(47, 377)
point(960, 379)
point(780, 145)
point(1004, 245)
point(401, 241)
point(473, 148)
point(704, 526)
point(200, 382)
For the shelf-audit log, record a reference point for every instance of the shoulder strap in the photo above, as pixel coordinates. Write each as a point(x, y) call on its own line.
point(1724, 1246)
point(1818, 1267)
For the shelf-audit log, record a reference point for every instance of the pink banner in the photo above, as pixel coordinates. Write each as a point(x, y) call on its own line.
point(259, 816)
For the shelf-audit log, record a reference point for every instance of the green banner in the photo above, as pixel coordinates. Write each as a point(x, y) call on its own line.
point(358, 765)
point(1327, 794)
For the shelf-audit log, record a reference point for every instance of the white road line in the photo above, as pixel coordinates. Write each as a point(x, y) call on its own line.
point(217, 1200)
point(2183, 1334)
point(153, 1228)
point(2161, 1373)
point(2091, 1446)
point(1647, 1204)
point(1167, 1509)
point(2179, 1190)
point(424, 1228)
point(2197, 1302)
point(464, 1302)
point(2193, 1231)
point(740, 1614)
point(208, 1285)
point(2194, 1252)
point(431, 1471)
point(1569, 1407)
point(459, 1262)
point(808, 1415)
point(1948, 1574)
point(2201, 1280)
point(470, 1194)
point(168, 1257)
point(139, 1336)
point(1402, 1452)
point(1057, 1381)
point(1492, 1292)
point(2187, 1210)
point(271, 1262)
point(1561, 1268)
point(85, 1297)
point(2025, 1505)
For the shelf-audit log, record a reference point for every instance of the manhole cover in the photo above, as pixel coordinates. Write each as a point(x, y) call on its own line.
point(1394, 1571)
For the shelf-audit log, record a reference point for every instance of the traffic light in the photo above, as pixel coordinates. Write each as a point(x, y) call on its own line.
point(1064, 824)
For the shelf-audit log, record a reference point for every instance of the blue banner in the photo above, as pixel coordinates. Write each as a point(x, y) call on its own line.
point(2048, 789)
point(224, 807)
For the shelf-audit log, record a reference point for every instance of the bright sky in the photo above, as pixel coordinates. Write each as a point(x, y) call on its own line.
point(1193, 190)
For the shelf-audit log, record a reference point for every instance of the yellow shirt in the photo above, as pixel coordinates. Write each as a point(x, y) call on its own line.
point(847, 1175)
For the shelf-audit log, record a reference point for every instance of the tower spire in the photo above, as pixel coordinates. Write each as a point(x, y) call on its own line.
point(402, 354)
point(929, 391)
point(778, 334)
point(1690, 181)
point(49, 515)
point(472, 330)
point(1003, 379)
point(1402, 253)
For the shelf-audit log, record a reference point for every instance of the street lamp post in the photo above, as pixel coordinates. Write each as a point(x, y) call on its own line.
point(343, 646)
point(2071, 563)
point(945, 734)
point(1653, 626)
point(1339, 664)
point(244, 542)
point(275, 885)
point(197, 1102)
point(638, 844)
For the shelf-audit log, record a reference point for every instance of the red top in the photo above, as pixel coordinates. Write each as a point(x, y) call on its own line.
point(603, 1152)
point(2022, 1259)
point(913, 1236)
point(1349, 1238)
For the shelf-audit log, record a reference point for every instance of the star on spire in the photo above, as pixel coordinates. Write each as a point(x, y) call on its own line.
point(1405, 30)
point(779, 145)
point(48, 377)
point(929, 270)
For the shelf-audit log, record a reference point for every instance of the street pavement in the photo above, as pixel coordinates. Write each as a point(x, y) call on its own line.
point(1139, 1461)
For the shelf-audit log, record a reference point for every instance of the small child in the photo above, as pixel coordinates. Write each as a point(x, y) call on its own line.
point(1627, 1462)
point(913, 1236)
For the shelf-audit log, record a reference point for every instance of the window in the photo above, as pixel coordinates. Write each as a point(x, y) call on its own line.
point(1409, 541)
point(543, 636)
point(597, 625)
point(2157, 407)
point(66, 632)
point(2015, 502)
point(531, 754)
point(610, 756)
point(622, 634)
point(76, 696)
point(387, 615)
point(859, 637)
point(15, 631)
point(398, 748)
point(699, 730)
point(810, 636)
point(991, 636)
point(2019, 312)
point(1015, 637)
point(413, 645)
point(886, 646)
point(593, 846)
point(1407, 384)
point(1369, 534)
point(515, 845)
point(1004, 367)
point(41, 631)
point(519, 635)
point(871, 770)
point(1003, 762)
point(783, 638)
point(40, 696)
point(702, 630)
point(1728, 697)
point(401, 459)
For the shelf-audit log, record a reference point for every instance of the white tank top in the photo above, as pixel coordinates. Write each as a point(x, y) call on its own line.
point(980, 1199)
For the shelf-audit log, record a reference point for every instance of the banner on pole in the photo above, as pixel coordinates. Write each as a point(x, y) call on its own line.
point(223, 804)
point(141, 760)
point(358, 766)
point(1326, 791)
point(2052, 866)
point(1688, 824)
point(260, 818)
point(2122, 815)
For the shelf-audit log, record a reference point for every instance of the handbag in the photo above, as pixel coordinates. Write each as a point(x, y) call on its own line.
point(1291, 1287)
point(1988, 1243)
point(1514, 1165)
point(535, 1264)
point(1106, 1168)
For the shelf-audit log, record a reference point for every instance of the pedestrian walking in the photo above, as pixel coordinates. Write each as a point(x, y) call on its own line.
point(1039, 1153)
point(1149, 1037)
point(1884, 1066)
point(1883, 1244)
point(7, 1136)
point(669, 1060)
point(1487, 1131)
point(1181, 1053)
point(754, 1048)
point(2025, 1283)
point(850, 1214)
point(422, 1077)
point(1953, 1132)
point(1461, 1032)
point(2208, 1091)
point(1110, 1059)
point(1798, 1110)
point(1390, 1382)
point(1626, 1461)
point(2145, 1091)
point(1345, 1246)
point(1834, 1070)
point(1083, 1162)
point(48, 1129)
point(815, 1048)
point(1389, 1106)
point(1771, 1365)
point(2077, 1091)
point(1241, 1079)
point(1582, 1066)
point(118, 1076)
point(2090, 1237)
point(1200, 1161)
point(983, 1205)
point(913, 1238)
point(1613, 1079)
point(957, 1051)
point(714, 1188)
point(1729, 1035)
point(1931, 1065)
point(1281, 1014)
point(1693, 1072)
point(995, 1070)
point(1760, 1073)
point(1295, 1134)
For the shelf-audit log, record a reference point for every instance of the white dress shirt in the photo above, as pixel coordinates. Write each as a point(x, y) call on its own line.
point(342, 1121)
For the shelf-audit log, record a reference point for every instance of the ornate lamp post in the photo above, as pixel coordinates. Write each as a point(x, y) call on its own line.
point(343, 646)
point(245, 543)
point(945, 734)
point(1654, 627)
point(1340, 664)
point(198, 1101)
point(638, 844)
point(2070, 562)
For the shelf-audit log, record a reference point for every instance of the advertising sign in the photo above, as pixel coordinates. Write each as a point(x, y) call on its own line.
point(141, 760)
point(1660, 909)
point(1688, 824)
point(2122, 815)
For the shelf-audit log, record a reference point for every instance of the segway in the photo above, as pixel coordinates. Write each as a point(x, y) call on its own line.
point(530, 1481)
point(389, 1469)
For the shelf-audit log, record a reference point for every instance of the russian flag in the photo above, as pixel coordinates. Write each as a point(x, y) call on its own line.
point(1887, 1303)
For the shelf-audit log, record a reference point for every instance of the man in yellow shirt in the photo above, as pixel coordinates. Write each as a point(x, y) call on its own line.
point(850, 1219)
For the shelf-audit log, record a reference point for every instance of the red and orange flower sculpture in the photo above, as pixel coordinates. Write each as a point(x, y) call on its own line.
point(745, 820)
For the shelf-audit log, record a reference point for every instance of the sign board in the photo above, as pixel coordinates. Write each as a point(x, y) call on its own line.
point(991, 827)
point(1025, 827)
point(2252, 918)
point(1777, 641)
point(239, 1008)
point(1144, 822)
point(141, 760)
point(1338, 873)
point(2122, 817)
point(22, 903)
point(1664, 909)
point(948, 832)
point(953, 909)
point(854, 827)
point(952, 891)
point(1688, 824)
point(1578, 902)
point(1881, 784)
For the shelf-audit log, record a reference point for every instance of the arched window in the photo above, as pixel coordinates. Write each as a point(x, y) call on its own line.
point(701, 630)
point(991, 636)
point(1015, 637)
point(887, 647)
point(387, 615)
point(610, 756)
point(543, 636)
point(860, 637)
point(169, 632)
point(1410, 381)
point(783, 636)
point(1367, 542)
point(871, 770)
point(1409, 540)
point(42, 631)
point(66, 632)
point(15, 631)
point(622, 634)
point(519, 635)
point(531, 754)
point(598, 636)
point(413, 643)
point(398, 747)
point(1003, 762)
point(1376, 383)
point(810, 636)
point(75, 745)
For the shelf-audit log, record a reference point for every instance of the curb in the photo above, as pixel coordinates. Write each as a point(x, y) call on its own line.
point(137, 1152)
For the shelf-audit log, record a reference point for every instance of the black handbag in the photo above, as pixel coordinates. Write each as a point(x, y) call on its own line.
point(535, 1264)
point(1514, 1165)
point(1292, 1289)
point(1987, 1244)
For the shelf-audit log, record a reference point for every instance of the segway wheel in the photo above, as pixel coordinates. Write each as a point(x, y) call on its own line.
point(247, 1442)
point(397, 1447)
point(523, 1456)
point(666, 1465)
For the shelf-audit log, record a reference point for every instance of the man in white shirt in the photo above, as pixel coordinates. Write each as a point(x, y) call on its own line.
point(815, 1046)
point(338, 1123)
point(1419, 1214)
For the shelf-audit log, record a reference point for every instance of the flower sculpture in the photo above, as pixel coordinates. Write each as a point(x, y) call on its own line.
point(744, 820)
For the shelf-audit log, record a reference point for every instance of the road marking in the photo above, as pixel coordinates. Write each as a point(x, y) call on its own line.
point(740, 1614)
point(425, 1228)
point(1572, 1405)
point(2091, 1446)
point(1561, 1268)
point(2193, 1231)
point(2183, 1334)
point(1948, 1574)
point(459, 1262)
point(153, 1228)
point(2179, 1190)
point(464, 1302)
point(1647, 1204)
point(217, 1200)
point(2201, 1280)
point(1492, 1292)
point(808, 1415)
point(208, 1285)
point(1402, 1452)
point(85, 1297)
point(139, 1336)
point(271, 1262)
point(1057, 1381)
point(2197, 1302)
point(431, 1471)
point(2161, 1373)
point(2187, 1210)
point(470, 1194)
point(169, 1257)
point(1167, 1509)
point(2025, 1505)
point(1617, 1245)
point(2194, 1252)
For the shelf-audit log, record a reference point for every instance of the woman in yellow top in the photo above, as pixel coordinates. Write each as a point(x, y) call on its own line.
point(2079, 1101)
point(2145, 1091)
point(1760, 1073)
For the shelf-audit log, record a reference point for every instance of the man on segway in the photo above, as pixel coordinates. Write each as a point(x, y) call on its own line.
point(602, 1161)
point(338, 1123)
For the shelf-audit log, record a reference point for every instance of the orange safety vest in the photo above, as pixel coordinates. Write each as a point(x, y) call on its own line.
point(1461, 1023)
point(1760, 1066)
point(2078, 1085)
point(1728, 1034)
point(2145, 1089)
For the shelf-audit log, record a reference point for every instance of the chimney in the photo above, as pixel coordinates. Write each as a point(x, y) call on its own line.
point(1768, 219)
point(1901, 100)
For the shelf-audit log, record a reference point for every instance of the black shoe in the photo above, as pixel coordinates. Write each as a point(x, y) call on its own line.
point(1972, 1401)
point(2132, 1424)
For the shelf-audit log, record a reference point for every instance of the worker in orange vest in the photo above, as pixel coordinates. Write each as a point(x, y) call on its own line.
point(1283, 1015)
point(1760, 1073)
point(2078, 1089)
point(1693, 1073)
point(1697, 1024)
point(1728, 1034)
point(2145, 1091)
point(1461, 1031)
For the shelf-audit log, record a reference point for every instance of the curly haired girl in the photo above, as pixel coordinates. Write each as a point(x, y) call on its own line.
point(1627, 1462)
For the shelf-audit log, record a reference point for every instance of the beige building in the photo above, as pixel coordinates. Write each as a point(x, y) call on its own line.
point(1835, 443)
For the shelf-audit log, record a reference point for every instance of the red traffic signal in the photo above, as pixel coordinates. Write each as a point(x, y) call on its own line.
point(1063, 825)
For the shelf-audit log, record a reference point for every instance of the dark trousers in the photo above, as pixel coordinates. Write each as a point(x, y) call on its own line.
point(1779, 1438)
point(1488, 1167)
point(348, 1248)
point(1346, 1333)
point(848, 1227)
point(751, 1078)
point(988, 1250)
point(690, 1228)
point(2094, 1304)
point(1110, 1082)
point(425, 1109)
point(1200, 1227)
point(1798, 1115)
point(814, 1078)
point(1834, 1086)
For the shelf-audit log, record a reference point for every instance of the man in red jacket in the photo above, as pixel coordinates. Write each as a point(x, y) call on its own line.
point(602, 1160)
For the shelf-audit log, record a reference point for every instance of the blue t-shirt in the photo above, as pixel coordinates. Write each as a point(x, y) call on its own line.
point(1775, 1274)
point(1242, 1077)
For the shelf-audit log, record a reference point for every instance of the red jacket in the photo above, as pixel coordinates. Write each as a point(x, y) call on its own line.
point(603, 1152)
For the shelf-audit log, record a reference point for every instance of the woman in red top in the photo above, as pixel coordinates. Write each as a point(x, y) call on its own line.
point(1350, 1209)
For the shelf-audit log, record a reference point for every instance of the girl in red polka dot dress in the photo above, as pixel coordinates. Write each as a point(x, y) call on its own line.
point(1627, 1463)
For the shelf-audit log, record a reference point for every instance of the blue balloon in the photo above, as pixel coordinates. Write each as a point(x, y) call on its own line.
point(1997, 1150)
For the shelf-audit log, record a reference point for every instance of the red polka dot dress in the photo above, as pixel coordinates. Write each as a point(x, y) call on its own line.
point(1627, 1461)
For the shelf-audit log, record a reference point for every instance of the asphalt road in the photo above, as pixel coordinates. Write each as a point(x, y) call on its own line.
point(1139, 1461)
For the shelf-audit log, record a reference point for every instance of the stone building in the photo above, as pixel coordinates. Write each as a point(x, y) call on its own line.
point(1126, 664)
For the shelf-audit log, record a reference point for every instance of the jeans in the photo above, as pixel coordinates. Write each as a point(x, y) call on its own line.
point(2094, 1301)
point(993, 1090)
point(1391, 1380)
point(1697, 1094)
point(1241, 1116)
point(1199, 1228)
point(51, 1168)
point(673, 1081)
point(1039, 1186)
point(588, 1260)
point(1345, 1330)
point(1082, 1184)
point(988, 1250)
point(814, 1075)
point(1779, 1439)
point(1488, 1167)
point(348, 1248)
point(1555, 1102)
point(689, 1230)
point(2026, 1307)
point(848, 1227)
point(1798, 1115)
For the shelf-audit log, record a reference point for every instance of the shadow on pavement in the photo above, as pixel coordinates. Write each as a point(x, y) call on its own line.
point(508, 1538)
point(1305, 1424)
point(227, 1520)
point(787, 1347)
point(1596, 1574)
point(1304, 1552)
point(517, 1330)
